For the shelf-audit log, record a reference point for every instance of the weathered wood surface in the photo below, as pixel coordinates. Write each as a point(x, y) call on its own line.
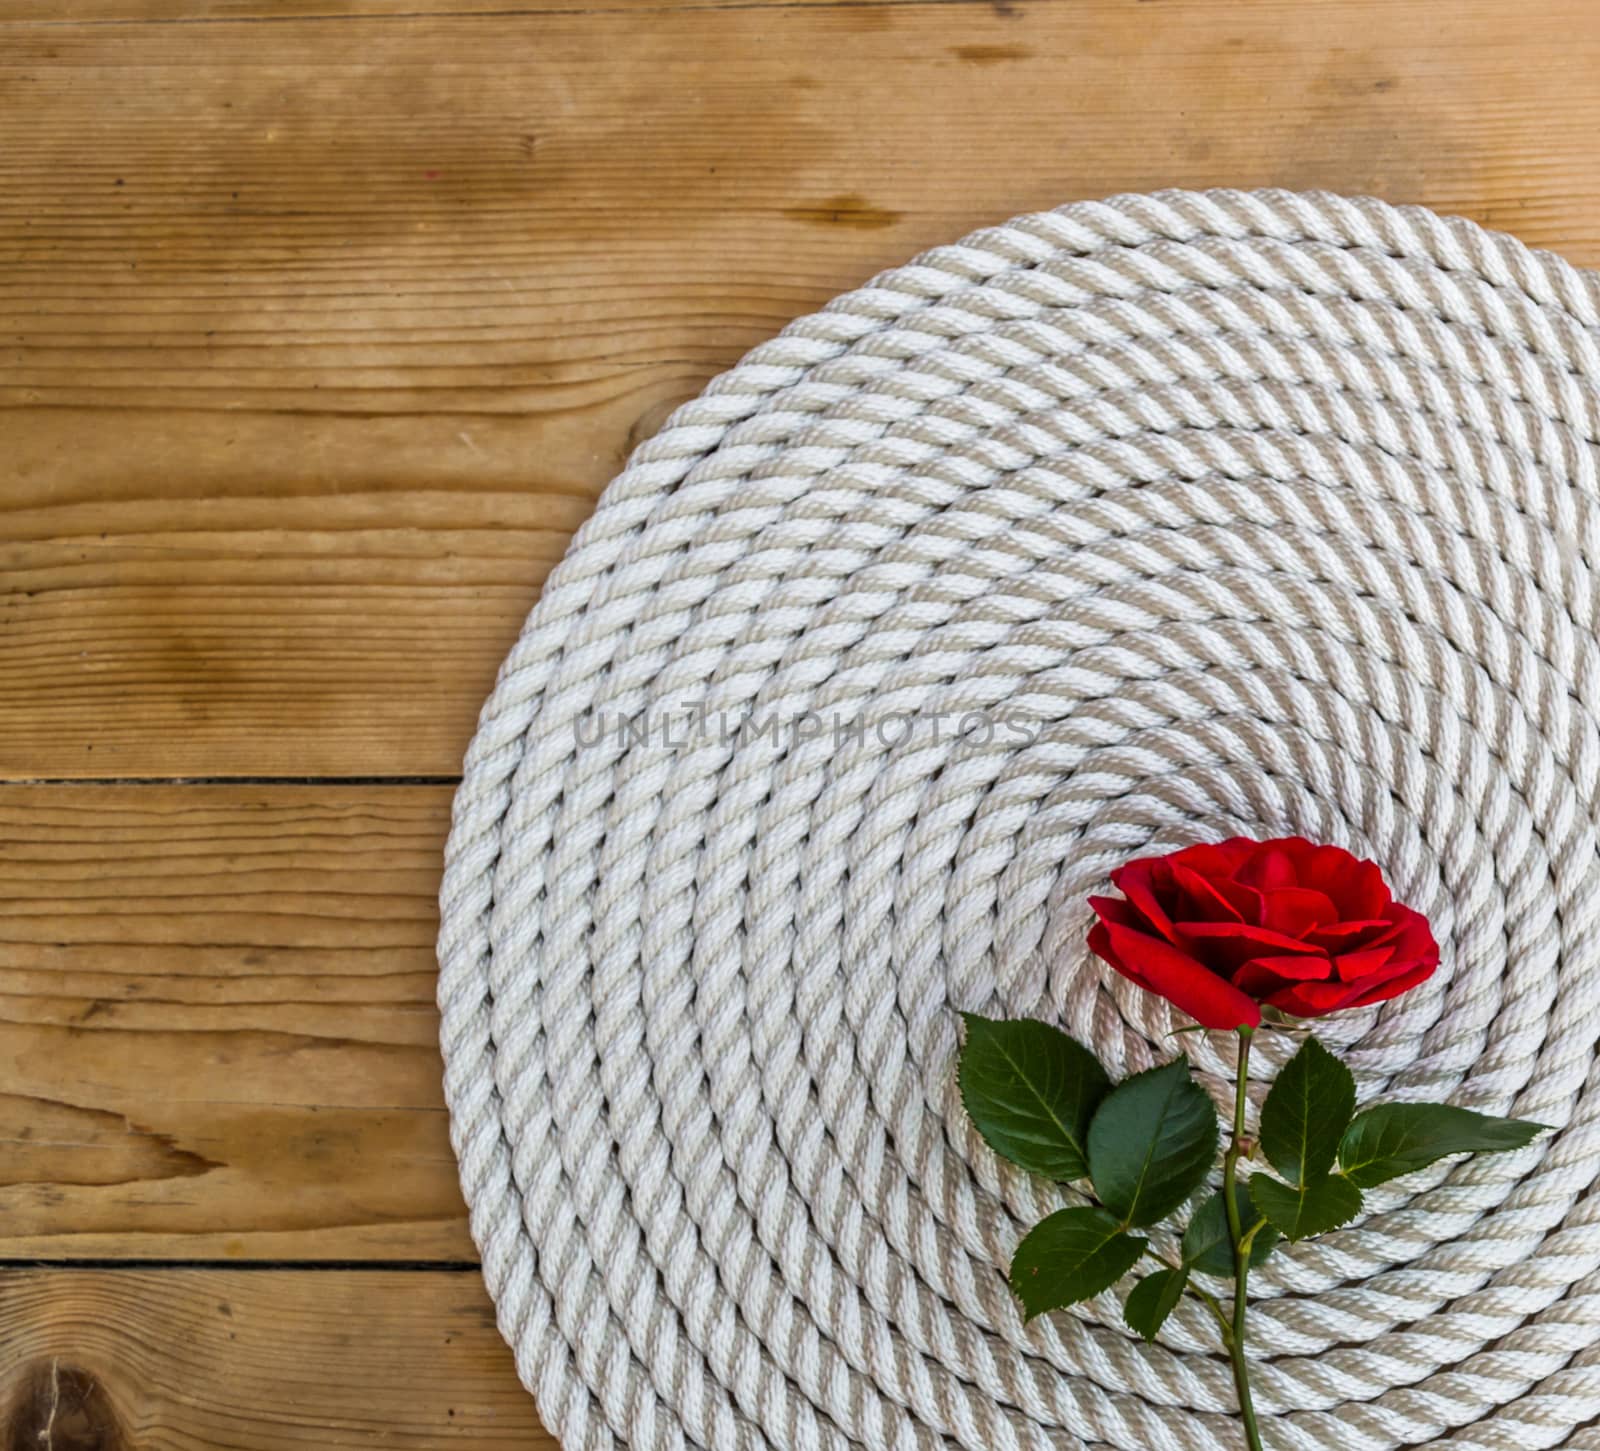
point(178, 1360)
point(217, 1029)
point(323, 322)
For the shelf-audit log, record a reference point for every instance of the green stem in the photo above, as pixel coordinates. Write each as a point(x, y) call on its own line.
point(1251, 1233)
point(1241, 1247)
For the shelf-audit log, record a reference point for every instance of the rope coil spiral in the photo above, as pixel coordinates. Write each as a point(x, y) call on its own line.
point(1118, 527)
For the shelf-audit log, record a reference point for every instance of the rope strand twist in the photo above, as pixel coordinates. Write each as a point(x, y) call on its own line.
point(1113, 528)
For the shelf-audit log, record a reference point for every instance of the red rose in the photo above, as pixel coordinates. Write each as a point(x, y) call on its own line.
point(1219, 930)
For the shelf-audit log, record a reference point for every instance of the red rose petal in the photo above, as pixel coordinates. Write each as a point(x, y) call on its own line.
point(1307, 928)
point(1336, 935)
point(1259, 979)
point(1394, 987)
point(1155, 964)
point(1394, 968)
point(1296, 910)
point(1286, 969)
point(1225, 946)
point(1114, 909)
point(1356, 886)
point(1310, 999)
point(1407, 936)
point(1314, 999)
point(1269, 868)
point(1386, 936)
point(1215, 861)
point(1244, 932)
point(1353, 966)
point(1299, 849)
point(1412, 936)
point(1100, 945)
point(1203, 899)
point(1137, 881)
point(1246, 901)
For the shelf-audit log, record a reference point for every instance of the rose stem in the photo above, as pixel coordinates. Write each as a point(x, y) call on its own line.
point(1241, 1247)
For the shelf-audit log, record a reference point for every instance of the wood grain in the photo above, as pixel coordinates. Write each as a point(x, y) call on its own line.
point(217, 1029)
point(323, 323)
point(182, 1360)
point(210, 12)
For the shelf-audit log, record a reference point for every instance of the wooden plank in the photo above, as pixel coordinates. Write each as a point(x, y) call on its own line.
point(107, 1360)
point(318, 337)
point(208, 12)
point(217, 1029)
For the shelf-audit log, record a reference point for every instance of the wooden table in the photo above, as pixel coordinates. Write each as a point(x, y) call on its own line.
point(322, 324)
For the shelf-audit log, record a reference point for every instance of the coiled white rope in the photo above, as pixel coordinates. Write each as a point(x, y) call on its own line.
point(1110, 529)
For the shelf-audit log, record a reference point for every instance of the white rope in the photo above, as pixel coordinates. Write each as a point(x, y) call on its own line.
point(1167, 518)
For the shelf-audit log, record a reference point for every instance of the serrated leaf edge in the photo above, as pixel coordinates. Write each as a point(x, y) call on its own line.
point(1165, 1272)
point(1312, 1046)
point(969, 1019)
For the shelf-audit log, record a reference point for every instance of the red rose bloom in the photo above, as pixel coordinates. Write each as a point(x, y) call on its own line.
point(1219, 930)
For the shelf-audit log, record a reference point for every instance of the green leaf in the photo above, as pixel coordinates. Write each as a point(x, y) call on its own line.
point(1152, 1143)
point(1306, 1114)
point(1153, 1299)
point(1207, 1244)
point(1071, 1256)
point(1314, 1208)
point(1392, 1139)
point(1031, 1090)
